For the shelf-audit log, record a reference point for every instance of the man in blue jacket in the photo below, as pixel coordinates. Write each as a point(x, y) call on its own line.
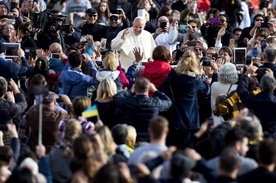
point(10, 69)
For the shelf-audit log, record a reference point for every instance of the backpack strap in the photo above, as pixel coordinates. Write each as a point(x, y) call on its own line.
point(229, 89)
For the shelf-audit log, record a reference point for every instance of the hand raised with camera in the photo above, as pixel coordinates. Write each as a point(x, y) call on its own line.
point(12, 130)
point(159, 31)
point(20, 53)
point(13, 86)
point(89, 39)
point(214, 66)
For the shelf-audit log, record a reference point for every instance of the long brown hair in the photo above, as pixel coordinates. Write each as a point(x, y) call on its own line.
point(83, 153)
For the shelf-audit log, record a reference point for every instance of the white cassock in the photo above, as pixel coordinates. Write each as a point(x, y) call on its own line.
point(145, 41)
point(163, 39)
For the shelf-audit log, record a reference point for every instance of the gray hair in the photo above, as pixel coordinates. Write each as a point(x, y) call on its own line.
point(3, 86)
point(228, 74)
point(252, 127)
point(270, 54)
point(268, 82)
point(138, 71)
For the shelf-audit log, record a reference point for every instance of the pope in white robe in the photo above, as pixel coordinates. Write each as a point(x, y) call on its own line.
point(129, 38)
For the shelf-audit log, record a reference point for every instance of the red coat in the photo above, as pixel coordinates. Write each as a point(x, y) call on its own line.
point(156, 71)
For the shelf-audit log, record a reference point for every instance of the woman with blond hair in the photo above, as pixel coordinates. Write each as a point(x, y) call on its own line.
point(104, 101)
point(182, 84)
point(110, 64)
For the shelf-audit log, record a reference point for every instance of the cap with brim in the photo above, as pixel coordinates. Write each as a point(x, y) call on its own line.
point(114, 15)
point(50, 97)
point(91, 11)
point(3, 47)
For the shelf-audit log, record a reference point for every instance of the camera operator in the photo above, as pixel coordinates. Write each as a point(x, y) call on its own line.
point(51, 30)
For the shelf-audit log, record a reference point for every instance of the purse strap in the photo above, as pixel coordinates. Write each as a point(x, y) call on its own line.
point(229, 89)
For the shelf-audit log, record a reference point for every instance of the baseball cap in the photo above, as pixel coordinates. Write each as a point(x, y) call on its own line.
point(91, 11)
point(50, 97)
point(113, 15)
point(3, 47)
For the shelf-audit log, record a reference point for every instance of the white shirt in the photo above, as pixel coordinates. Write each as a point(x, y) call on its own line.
point(246, 22)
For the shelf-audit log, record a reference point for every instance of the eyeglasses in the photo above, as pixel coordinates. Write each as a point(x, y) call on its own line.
point(114, 19)
point(259, 20)
point(92, 15)
point(197, 49)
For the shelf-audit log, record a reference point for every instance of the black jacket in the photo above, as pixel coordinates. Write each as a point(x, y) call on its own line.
point(258, 175)
point(179, 5)
point(262, 105)
point(96, 30)
point(140, 109)
point(9, 110)
point(212, 33)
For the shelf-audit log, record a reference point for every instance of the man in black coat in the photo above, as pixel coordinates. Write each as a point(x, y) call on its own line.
point(263, 104)
point(270, 59)
point(12, 104)
point(138, 108)
point(266, 157)
point(91, 27)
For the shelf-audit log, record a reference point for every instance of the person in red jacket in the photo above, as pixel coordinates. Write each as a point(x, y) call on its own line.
point(157, 70)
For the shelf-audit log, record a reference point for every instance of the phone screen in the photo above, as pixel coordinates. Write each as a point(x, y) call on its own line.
point(261, 71)
point(239, 56)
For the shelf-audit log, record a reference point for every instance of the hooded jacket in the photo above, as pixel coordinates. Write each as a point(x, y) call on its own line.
point(78, 81)
point(108, 73)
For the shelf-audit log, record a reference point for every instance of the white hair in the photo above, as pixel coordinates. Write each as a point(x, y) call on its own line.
point(140, 18)
point(228, 74)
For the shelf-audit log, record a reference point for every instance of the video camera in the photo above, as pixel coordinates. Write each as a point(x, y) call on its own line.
point(48, 19)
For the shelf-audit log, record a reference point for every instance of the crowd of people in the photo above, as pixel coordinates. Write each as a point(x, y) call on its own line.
point(181, 91)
